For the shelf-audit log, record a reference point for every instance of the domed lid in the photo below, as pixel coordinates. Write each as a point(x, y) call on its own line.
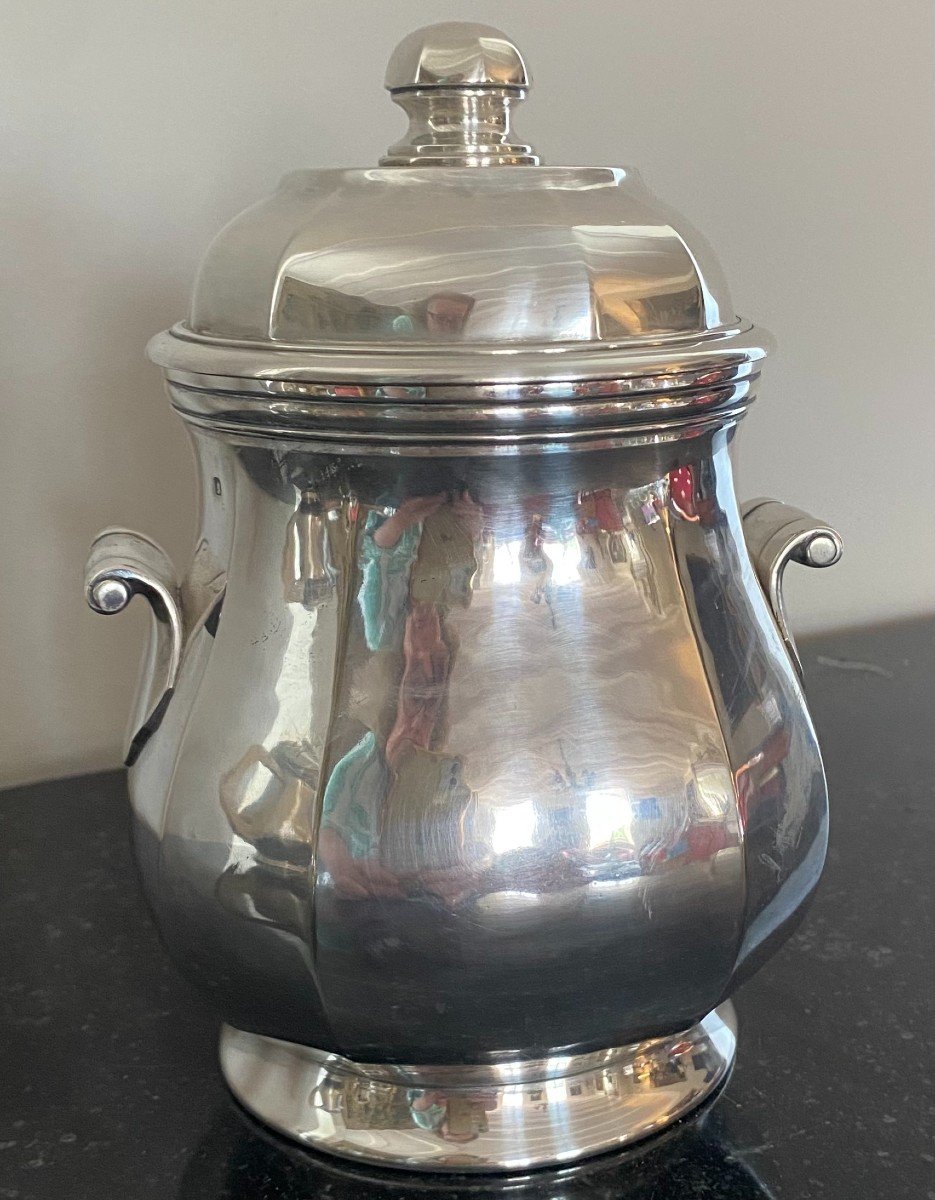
point(459, 262)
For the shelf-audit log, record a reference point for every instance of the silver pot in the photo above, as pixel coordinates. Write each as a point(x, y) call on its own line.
point(471, 770)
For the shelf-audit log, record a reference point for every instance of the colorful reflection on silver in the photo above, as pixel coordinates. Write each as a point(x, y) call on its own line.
point(477, 738)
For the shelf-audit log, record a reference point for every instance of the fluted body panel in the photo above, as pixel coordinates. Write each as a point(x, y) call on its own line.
point(476, 756)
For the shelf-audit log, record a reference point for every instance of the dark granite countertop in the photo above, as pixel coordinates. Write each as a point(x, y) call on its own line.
point(109, 1085)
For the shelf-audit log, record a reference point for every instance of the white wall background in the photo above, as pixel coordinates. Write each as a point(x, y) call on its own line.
point(797, 135)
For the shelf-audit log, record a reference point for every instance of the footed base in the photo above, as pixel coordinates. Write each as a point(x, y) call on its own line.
point(509, 1117)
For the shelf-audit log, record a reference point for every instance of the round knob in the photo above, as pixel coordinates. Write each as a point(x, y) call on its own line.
point(458, 83)
point(822, 551)
point(110, 595)
point(456, 54)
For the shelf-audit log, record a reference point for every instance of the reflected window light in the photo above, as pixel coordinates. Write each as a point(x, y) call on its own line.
point(513, 827)
point(565, 558)
point(608, 817)
point(713, 791)
point(506, 562)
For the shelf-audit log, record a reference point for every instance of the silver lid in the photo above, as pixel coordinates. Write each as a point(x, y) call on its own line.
point(459, 263)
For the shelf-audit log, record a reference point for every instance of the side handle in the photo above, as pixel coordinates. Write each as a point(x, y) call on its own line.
point(776, 534)
point(122, 564)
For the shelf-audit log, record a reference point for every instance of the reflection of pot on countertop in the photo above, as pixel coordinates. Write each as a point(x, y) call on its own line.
point(471, 750)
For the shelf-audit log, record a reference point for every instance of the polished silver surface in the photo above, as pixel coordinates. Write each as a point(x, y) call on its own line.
point(485, 429)
point(474, 740)
point(697, 365)
point(455, 54)
point(776, 534)
point(122, 564)
point(458, 84)
point(476, 760)
point(458, 259)
point(432, 1122)
point(465, 265)
point(564, 369)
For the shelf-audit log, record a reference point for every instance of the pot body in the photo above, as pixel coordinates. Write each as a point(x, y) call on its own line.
point(475, 756)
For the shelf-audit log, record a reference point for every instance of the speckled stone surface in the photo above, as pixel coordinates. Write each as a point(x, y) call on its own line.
point(109, 1086)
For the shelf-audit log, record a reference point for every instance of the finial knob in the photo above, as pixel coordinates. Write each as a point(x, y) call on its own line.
point(456, 54)
point(458, 83)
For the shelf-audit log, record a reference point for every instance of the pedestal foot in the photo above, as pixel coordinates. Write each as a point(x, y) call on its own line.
point(481, 1118)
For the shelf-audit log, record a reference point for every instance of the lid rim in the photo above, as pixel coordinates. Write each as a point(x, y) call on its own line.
point(184, 332)
point(560, 367)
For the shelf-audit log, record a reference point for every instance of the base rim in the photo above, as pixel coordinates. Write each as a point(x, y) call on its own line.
point(327, 1103)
